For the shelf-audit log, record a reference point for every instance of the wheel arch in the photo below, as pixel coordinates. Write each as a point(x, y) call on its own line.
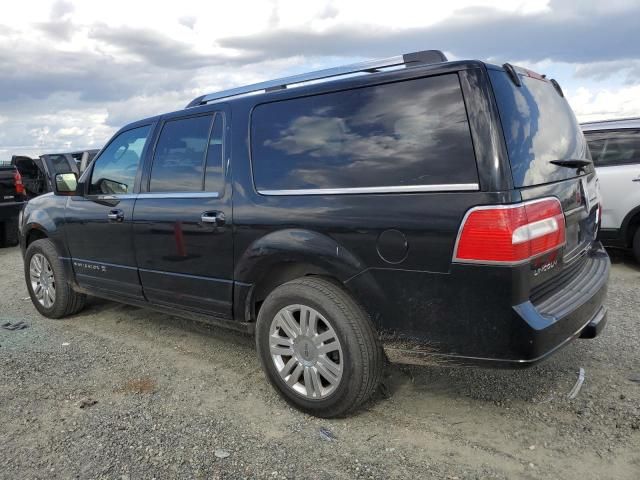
point(33, 233)
point(287, 254)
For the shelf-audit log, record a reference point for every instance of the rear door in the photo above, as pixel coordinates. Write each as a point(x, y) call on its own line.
point(98, 224)
point(616, 155)
point(183, 218)
point(549, 157)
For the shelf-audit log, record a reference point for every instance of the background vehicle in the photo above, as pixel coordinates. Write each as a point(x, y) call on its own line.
point(81, 158)
point(615, 149)
point(12, 198)
point(389, 208)
point(38, 173)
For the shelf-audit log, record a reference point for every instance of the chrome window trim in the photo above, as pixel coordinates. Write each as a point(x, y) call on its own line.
point(449, 187)
point(176, 195)
point(179, 195)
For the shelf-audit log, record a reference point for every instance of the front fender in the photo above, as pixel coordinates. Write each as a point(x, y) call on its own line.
point(45, 214)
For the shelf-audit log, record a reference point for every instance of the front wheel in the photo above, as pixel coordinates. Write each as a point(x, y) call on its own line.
point(318, 347)
point(48, 286)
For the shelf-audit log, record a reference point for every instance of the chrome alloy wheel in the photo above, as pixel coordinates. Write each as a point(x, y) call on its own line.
point(43, 283)
point(306, 351)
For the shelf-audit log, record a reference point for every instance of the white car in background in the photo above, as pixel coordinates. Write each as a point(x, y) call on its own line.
point(615, 149)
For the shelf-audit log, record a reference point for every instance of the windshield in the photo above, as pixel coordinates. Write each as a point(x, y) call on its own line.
point(539, 126)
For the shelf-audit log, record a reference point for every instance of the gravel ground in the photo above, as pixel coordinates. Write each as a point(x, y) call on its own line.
point(121, 392)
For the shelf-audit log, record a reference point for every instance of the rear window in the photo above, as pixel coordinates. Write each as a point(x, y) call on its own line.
point(614, 148)
point(408, 133)
point(539, 126)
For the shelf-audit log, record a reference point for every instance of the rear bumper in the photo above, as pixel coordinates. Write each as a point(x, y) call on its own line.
point(531, 332)
point(553, 321)
point(596, 325)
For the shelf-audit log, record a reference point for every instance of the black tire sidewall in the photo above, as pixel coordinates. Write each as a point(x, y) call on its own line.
point(352, 358)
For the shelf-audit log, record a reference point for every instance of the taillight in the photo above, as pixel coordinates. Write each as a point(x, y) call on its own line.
point(17, 181)
point(510, 234)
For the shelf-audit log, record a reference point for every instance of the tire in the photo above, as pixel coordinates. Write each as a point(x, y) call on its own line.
point(66, 301)
point(636, 244)
point(338, 355)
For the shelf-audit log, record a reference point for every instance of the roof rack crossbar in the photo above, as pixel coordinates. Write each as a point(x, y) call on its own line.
point(409, 59)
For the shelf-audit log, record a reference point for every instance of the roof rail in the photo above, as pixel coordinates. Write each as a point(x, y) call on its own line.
point(424, 57)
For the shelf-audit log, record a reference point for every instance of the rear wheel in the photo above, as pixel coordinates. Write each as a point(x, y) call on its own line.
point(318, 347)
point(48, 286)
point(636, 245)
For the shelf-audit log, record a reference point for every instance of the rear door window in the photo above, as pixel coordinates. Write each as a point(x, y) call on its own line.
point(609, 148)
point(214, 179)
point(179, 158)
point(405, 134)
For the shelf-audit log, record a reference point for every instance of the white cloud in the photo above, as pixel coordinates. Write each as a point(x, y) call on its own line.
point(74, 72)
point(604, 103)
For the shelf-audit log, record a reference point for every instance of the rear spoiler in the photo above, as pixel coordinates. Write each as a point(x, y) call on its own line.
point(514, 73)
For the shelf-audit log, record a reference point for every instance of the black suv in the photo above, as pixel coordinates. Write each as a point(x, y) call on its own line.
point(411, 206)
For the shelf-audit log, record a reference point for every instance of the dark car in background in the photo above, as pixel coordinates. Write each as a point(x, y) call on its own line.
point(12, 198)
point(23, 178)
point(412, 206)
point(38, 173)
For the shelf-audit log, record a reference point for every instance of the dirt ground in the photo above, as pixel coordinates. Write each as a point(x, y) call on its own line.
point(122, 392)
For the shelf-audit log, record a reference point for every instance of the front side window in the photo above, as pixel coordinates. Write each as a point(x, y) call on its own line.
point(614, 148)
point(114, 171)
point(179, 159)
point(409, 133)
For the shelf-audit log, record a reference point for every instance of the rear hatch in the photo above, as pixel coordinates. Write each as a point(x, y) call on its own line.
point(549, 157)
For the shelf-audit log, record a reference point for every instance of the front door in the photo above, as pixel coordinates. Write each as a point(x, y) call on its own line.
point(99, 223)
point(182, 218)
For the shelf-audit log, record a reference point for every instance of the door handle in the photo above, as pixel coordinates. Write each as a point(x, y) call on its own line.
point(115, 215)
point(216, 218)
point(637, 179)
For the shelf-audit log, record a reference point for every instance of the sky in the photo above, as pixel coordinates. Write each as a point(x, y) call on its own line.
point(73, 72)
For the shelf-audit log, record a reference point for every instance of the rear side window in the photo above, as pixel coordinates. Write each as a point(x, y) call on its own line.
point(409, 133)
point(214, 179)
point(178, 162)
point(614, 148)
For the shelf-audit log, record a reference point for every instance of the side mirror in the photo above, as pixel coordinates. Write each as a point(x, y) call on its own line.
point(66, 183)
